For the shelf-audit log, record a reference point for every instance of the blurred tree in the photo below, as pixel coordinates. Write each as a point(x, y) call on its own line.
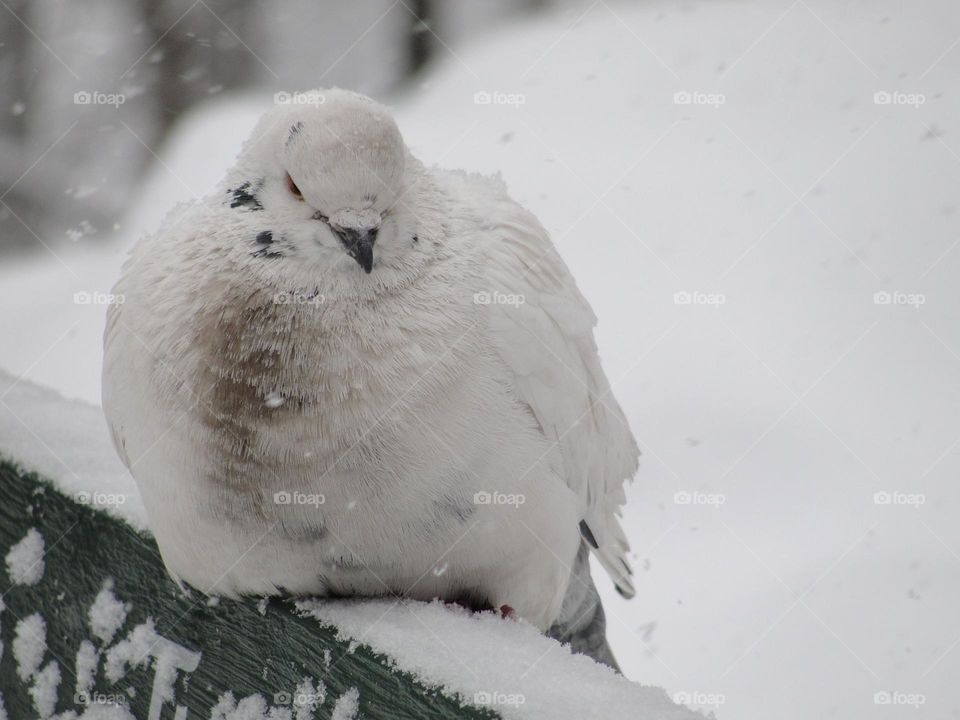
point(421, 39)
point(92, 89)
point(15, 43)
point(199, 51)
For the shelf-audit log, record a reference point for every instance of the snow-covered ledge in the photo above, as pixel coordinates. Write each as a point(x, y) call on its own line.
point(491, 666)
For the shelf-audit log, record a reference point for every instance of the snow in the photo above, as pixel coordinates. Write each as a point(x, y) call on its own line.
point(142, 647)
point(25, 559)
point(252, 707)
point(732, 253)
point(306, 700)
point(107, 614)
point(347, 705)
point(308, 697)
point(29, 645)
point(106, 712)
point(170, 657)
point(485, 659)
point(133, 651)
point(43, 692)
point(88, 659)
point(66, 441)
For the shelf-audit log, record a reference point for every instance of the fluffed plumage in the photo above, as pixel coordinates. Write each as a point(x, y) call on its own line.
point(343, 373)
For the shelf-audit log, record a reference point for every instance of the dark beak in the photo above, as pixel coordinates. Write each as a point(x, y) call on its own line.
point(359, 245)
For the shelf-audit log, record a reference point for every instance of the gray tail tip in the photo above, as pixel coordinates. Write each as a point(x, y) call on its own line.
point(587, 534)
point(624, 584)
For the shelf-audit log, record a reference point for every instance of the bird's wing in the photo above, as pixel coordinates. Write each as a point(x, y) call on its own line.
point(545, 336)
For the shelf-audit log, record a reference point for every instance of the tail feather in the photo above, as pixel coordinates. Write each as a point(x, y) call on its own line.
point(613, 557)
point(582, 623)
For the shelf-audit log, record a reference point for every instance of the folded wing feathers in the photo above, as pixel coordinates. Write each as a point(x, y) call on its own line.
point(559, 376)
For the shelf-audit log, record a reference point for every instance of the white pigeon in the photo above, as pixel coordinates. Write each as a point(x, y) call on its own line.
point(345, 374)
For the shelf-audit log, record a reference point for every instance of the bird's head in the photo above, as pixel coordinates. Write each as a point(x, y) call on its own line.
point(328, 170)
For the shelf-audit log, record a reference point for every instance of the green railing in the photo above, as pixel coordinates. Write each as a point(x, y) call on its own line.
point(174, 657)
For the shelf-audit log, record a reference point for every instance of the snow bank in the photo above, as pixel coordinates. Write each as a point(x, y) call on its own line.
point(486, 660)
point(66, 441)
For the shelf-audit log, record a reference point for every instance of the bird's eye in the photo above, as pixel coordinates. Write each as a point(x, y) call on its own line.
point(292, 187)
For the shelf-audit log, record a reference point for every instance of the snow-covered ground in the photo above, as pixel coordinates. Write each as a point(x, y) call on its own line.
point(732, 194)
